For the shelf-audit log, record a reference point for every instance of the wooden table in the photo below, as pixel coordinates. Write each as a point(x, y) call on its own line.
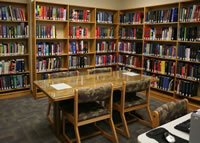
point(81, 81)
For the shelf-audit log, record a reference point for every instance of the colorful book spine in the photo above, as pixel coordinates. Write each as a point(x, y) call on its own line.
point(45, 31)
point(130, 33)
point(79, 62)
point(101, 60)
point(160, 50)
point(131, 18)
point(104, 32)
point(104, 17)
point(189, 33)
point(50, 13)
point(79, 15)
point(46, 49)
point(12, 66)
point(7, 49)
point(130, 47)
point(78, 32)
point(78, 47)
point(128, 60)
point(191, 13)
point(105, 46)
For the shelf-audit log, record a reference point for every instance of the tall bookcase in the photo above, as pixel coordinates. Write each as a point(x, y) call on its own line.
point(14, 49)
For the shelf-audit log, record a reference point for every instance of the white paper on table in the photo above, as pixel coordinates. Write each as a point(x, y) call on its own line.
point(60, 86)
point(131, 73)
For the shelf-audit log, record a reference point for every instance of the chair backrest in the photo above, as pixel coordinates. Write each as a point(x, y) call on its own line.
point(169, 111)
point(100, 93)
point(63, 74)
point(99, 70)
point(137, 86)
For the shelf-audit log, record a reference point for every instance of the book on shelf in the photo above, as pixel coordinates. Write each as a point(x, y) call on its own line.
point(78, 32)
point(159, 66)
point(130, 33)
point(79, 14)
point(12, 48)
point(130, 61)
point(104, 17)
point(108, 59)
point(48, 48)
point(105, 46)
point(189, 14)
point(50, 13)
point(188, 71)
point(45, 31)
point(49, 64)
point(162, 16)
point(44, 76)
point(11, 13)
point(16, 31)
point(78, 47)
point(131, 18)
point(130, 47)
point(14, 81)
point(12, 66)
point(160, 33)
point(186, 88)
point(160, 50)
point(189, 33)
point(104, 32)
point(189, 53)
point(78, 62)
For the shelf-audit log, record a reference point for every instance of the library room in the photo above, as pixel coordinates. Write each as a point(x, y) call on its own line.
point(121, 71)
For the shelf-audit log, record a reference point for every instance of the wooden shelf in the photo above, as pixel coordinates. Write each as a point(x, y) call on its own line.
point(111, 65)
point(5, 56)
point(88, 67)
point(190, 22)
point(12, 21)
point(44, 56)
point(51, 38)
point(24, 38)
point(170, 41)
point(82, 22)
point(162, 58)
point(50, 71)
point(194, 62)
point(167, 23)
point(16, 73)
point(47, 20)
point(188, 79)
point(90, 53)
point(127, 53)
point(106, 38)
point(196, 98)
point(130, 39)
point(190, 42)
point(82, 38)
point(127, 66)
point(171, 92)
point(14, 89)
point(97, 53)
point(160, 73)
point(110, 24)
point(139, 24)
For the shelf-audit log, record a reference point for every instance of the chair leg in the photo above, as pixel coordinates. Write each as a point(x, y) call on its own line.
point(63, 130)
point(77, 134)
point(48, 113)
point(115, 139)
point(149, 114)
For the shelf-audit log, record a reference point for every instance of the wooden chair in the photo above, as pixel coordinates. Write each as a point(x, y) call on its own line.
point(128, 101)
point(86, 110)
point(99, 70)
point(58, 75)
point(169, 111)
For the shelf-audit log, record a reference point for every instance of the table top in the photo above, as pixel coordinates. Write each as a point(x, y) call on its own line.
point(170, 127)
point(85, 81)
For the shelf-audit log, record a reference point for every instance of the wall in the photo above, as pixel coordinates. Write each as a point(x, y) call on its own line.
point(125, 4)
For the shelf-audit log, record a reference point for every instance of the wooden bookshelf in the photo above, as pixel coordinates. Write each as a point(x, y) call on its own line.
point(22, 87)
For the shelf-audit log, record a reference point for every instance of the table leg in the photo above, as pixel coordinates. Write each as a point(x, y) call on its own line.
point(56, 116)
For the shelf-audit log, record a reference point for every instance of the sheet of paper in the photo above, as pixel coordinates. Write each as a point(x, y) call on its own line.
point(60, 86)
point(131, 73)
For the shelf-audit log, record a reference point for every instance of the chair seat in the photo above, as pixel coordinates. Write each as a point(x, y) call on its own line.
point(86, 110)
point(131, 100)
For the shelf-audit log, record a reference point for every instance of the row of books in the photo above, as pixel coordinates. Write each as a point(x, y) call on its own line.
point(189, 33)
point(131, 18)
point(78, 62)
point(78, 47)
point(50, 13)
point(79, 14)
point(105, 32)
point(12, 13)
point(162, 16)
point(160, 33)
point(104, 17)
point(164, 83)
point(191, 13)
point(189, 53)
point(7, 49)
point(17, 31)
point(78, 32)
point(12, 66)
point(105, 59)
point(186, 88)
point(105, 46)
point(160, 50)
point(130, 61)
point(189, 71)
point(130, 47)
point(130, 33)
point(45, 31)
point(159, 66)
point(49, 64)
point(46, 48)
point(14, 81)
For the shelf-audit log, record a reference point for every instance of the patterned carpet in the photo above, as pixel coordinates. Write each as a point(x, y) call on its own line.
point(23, 120)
